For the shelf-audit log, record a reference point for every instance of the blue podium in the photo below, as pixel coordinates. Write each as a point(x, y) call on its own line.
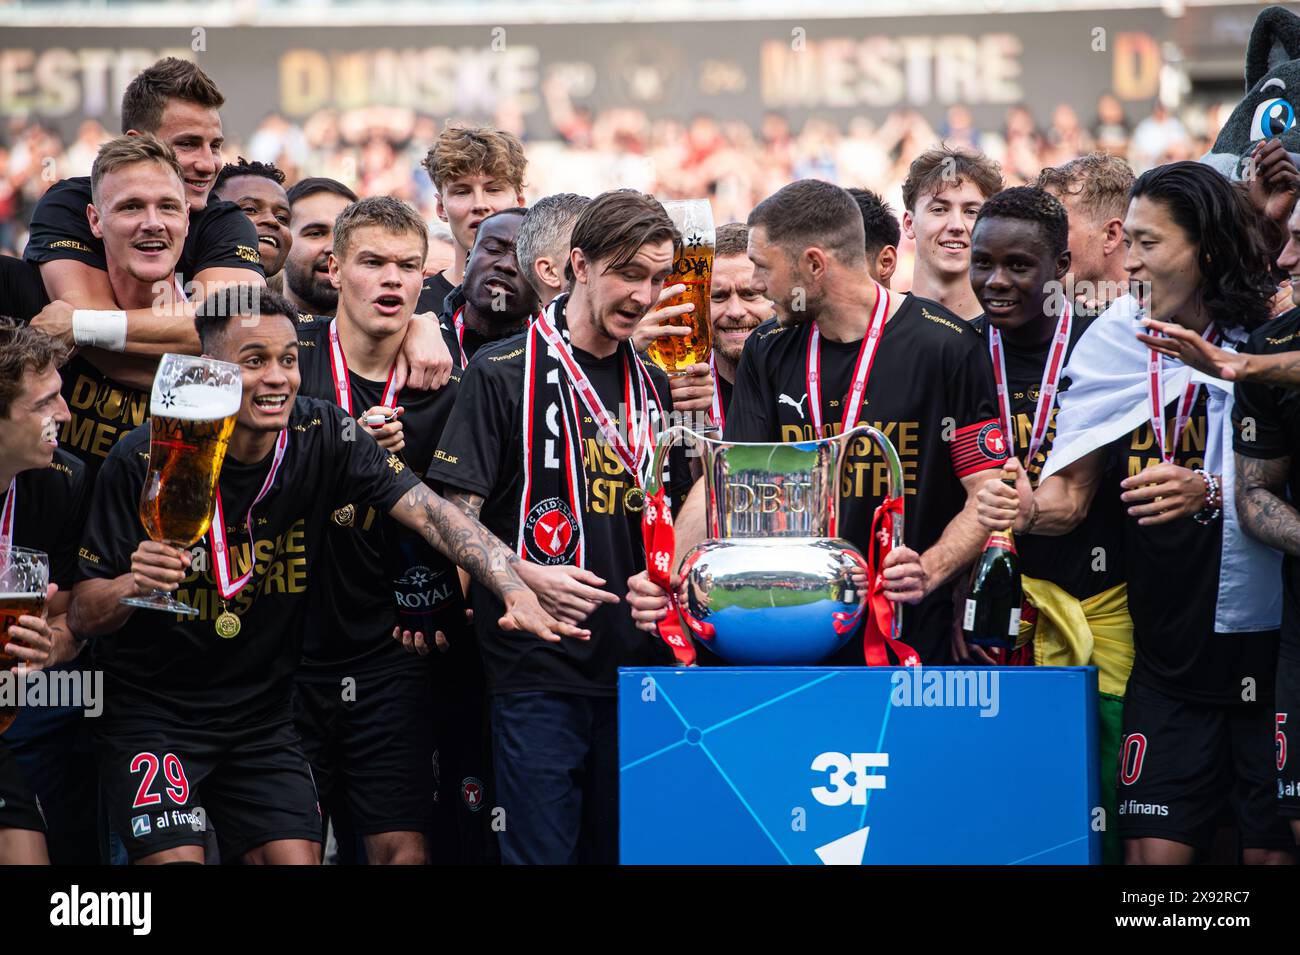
point(859, 766)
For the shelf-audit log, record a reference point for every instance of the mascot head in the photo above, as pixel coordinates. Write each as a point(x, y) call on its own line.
point(1269, 109)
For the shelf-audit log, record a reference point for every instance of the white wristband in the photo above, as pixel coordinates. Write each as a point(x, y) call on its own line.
point(99, 329)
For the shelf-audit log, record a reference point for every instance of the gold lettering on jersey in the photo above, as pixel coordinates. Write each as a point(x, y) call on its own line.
point(248, 254)
point(1280, 341)
point(395, 463)
point(940, 320)
point(1143, 452)
point(507, 356)
point(102, 413)
point(866, 474)
point(279, 567)
point(87, 555)
point(69, 244)
point(441, 455)
point(772, 331)
point(61, 467)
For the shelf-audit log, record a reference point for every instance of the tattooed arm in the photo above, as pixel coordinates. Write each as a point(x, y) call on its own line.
point(468, 544)
point(569, 593)
point(1261, 501)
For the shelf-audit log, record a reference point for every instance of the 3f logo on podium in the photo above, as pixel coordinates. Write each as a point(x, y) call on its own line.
point(848, 779)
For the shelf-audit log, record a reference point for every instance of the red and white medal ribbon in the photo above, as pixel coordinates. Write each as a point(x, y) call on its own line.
point(343, 387)
point(861, 371)
point(717, 412)
point(7, 516)
point(1155, 373)
point(631, 456)
point(458, 323)
point(217, 532)
point(1046, 388)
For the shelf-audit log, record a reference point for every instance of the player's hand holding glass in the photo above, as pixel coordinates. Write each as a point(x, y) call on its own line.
point(24, 579)
point(192, 414)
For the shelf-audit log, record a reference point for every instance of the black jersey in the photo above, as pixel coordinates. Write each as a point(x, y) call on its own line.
point(482, 452)
point(179, 667)
point(931, 392)
point(50, 512)
point(1267, 427)
point(1173, 587)
point(220, 236)
point(1089, 559)
point(351, 616)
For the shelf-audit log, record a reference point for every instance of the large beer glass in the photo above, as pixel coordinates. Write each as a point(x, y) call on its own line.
point(24, 576)
point(191, 416)
point(693, 268)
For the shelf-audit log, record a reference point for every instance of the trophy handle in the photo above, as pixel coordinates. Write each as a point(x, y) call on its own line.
point(896, 489)
point(655, 479)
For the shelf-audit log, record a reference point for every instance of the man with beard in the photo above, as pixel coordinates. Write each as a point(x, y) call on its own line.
point(1076, 611)
point(1198, 711)
point(476, 171)
point(883, 234)
point(205, 699)
point(942, 194)
point(550, 439)
point(257, 188)
point(314, 204)
point(735, 310)
point(843, 350)
point(495, 300)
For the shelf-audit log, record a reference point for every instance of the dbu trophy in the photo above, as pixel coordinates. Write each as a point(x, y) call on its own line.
point(774, 584)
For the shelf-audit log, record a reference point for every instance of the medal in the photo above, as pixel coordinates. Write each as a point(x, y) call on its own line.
point(343, 388)
point(228, 625)
point(1046, 388)
point(1156, 397)
point(227, 584)
point(633, 499)
point(861, 372)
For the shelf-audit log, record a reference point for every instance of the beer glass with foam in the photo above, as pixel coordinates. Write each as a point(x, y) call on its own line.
point(693, 268)
point(192, 413)
point(24, 577)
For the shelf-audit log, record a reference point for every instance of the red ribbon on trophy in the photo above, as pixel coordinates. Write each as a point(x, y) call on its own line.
point(660, 549)
point(878, 633)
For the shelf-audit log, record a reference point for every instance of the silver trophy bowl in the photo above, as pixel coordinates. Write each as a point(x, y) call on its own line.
point(774, 584)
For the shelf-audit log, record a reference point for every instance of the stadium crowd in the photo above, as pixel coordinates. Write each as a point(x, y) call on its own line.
point(433, 540)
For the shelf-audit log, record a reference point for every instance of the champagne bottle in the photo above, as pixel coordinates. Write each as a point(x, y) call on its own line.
point(992, 617)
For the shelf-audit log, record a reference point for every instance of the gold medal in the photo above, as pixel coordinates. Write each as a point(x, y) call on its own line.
point(228, 625)
point(633, 499)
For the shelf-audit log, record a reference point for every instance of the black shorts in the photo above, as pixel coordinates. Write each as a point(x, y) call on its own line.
point(371, 747)
point(1181, 764)
point(1286, 735)
point(165, 784)
point(19, 808)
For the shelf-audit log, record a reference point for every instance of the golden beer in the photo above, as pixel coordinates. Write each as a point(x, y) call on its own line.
point(24, 576)
point(185, 457)
point(693, 267)
point(192, 415)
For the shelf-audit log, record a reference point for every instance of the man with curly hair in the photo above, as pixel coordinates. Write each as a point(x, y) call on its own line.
point(258, 189)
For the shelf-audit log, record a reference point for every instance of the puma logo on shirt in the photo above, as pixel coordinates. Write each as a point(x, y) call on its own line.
point(785, 399)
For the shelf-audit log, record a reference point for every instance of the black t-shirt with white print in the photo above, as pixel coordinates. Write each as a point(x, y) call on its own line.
point(220, 235)
point(178, 668)
point(1089, 559)
point(1173, 586)
point(352, 611)
point(1267, 427)
point(930, 391)
point(482, 452)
